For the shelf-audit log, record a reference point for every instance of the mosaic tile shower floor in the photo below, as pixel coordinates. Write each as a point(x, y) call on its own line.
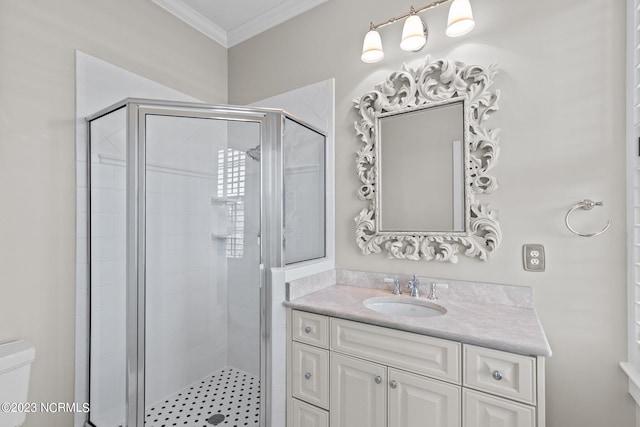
point(228, 398)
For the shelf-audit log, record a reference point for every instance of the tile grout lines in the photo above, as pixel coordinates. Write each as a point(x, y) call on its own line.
point(228, 398)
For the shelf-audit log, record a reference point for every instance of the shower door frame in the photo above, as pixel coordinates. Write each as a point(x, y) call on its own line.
point(271, 232)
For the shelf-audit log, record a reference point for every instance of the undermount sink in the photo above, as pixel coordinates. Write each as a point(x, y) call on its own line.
point(404, 306)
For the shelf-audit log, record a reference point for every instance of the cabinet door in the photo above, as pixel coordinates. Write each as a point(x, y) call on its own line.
point(310, 374)
point(358, 393)
point(416, 401)
point(483, 410)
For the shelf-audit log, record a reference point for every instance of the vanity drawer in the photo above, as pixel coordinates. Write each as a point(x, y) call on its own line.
point(305, 415)
point(311, 328)
point(417, 353)
point(310, 374)
point(497, 372)
point(483, 410)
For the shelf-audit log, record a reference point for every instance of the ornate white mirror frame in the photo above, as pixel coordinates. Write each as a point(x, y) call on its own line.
point(433, 83)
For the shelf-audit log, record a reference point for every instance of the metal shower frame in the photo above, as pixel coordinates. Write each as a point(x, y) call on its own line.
point(271, 228)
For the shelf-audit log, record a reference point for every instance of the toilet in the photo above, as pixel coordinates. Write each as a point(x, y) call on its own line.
point(15, 366)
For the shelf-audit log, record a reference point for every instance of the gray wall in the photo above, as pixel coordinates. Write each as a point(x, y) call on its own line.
point(562, 114)
point(37, 155)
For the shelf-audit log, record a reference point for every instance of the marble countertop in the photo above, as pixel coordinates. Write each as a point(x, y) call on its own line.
point(502, 327)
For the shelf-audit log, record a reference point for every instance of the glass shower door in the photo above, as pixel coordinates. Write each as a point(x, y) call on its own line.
point(202, 277)
point(108, 266)
point(304, 193)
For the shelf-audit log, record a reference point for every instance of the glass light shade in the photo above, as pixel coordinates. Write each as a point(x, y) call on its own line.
point(460, 19)
point(372, 48)
point(413, 37)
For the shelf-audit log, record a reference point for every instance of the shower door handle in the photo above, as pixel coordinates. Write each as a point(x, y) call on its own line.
point(261, 272)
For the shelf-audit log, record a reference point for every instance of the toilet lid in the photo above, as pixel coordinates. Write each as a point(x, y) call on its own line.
point(16, 354)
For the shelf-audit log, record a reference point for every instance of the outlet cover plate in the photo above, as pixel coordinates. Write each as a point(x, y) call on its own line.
point(533, 257)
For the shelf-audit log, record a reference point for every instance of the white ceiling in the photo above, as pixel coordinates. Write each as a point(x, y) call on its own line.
point(230, 22)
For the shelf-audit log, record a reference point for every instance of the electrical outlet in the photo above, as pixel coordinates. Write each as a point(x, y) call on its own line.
point(533, 257)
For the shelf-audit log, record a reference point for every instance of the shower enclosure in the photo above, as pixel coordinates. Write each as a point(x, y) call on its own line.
point(191, 206)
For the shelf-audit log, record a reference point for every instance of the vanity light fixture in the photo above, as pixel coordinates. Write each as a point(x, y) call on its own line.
point(414, 31)
point(372, 47)
point(460, 20)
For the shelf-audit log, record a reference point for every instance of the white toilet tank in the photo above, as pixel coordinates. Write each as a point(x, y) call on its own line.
point(15, 366)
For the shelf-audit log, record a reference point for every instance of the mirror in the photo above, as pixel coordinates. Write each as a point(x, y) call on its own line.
point(425, 161)
point(417, 148)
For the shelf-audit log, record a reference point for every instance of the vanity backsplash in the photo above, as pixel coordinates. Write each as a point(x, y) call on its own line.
point(484, 293)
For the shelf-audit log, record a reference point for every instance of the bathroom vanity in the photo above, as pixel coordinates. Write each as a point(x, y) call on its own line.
point(350, 366)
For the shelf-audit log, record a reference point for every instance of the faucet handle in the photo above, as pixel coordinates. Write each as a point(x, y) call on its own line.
point(433, 292)
point(396, 285)
point(413, 286)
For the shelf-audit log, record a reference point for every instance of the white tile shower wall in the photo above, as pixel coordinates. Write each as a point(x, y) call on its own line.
point(243, 271)
point(186, 286)
point(314, 104)
point(108, 270)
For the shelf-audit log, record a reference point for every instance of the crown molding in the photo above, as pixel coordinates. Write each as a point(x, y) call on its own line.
point(251, 28)
point(195, 19)
point(270, 19)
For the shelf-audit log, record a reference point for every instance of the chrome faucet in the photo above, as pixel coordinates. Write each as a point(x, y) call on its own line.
point(413, 286)
point(396, 285)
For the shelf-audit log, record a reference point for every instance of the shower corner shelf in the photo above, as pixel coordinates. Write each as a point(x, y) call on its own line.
point(218, 236)
point(224, 200)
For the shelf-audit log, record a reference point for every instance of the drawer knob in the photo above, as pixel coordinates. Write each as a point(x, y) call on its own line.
point(307, 329)
point(393, 384)
point(307, 376)
point(497, 375)
point(378, 379)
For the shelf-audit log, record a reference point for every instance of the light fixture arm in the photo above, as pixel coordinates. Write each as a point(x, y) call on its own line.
point(413, 11)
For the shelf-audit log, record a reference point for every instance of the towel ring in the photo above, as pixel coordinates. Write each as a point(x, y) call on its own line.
point(587, 205)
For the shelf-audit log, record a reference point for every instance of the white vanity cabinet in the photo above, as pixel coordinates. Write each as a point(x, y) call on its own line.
point(367, 394)
point(383, 377)
point(350, 374)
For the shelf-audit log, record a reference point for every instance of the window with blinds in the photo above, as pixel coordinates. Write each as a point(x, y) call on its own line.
point(231, 182)
point(632, 366)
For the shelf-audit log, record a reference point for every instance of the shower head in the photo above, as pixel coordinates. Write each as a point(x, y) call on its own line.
point(254, 153)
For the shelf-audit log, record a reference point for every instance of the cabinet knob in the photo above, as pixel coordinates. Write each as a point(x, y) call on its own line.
point(378, 379)
point(307, 329)
point(307, 375)
point(393, 384)
point(497, 375)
